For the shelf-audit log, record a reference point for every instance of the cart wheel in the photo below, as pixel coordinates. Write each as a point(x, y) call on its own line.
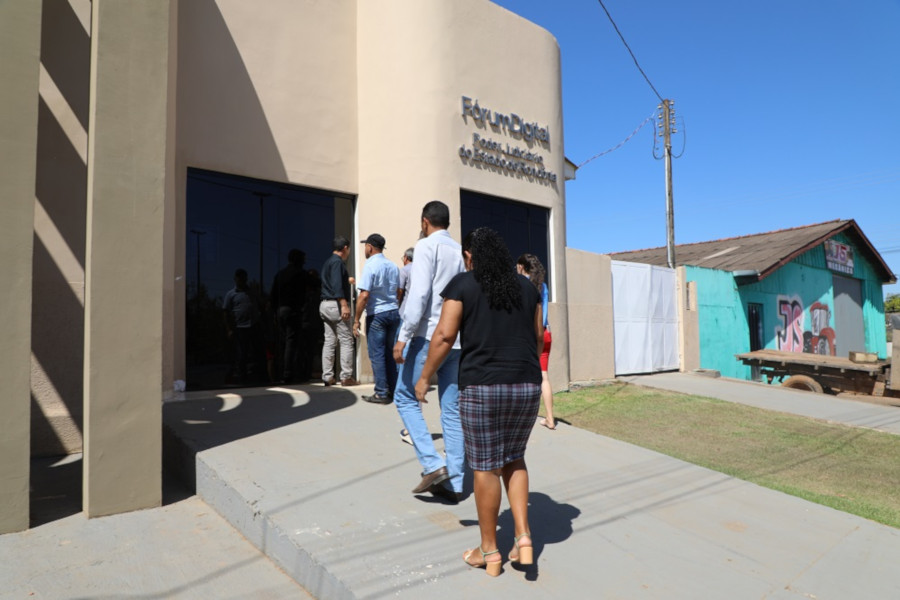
point(803, 382)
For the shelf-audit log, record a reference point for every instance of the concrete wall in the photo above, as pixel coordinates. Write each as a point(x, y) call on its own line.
point(688, 322)
point(410, 131)
point(591, 334)
point(130, 171)
point(57, 348)
point(20, 36)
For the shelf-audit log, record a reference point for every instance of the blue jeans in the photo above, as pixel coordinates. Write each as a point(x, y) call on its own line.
point(381, 329)
point(410, 411)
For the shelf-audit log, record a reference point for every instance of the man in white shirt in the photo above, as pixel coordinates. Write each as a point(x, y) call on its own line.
point(438, 260)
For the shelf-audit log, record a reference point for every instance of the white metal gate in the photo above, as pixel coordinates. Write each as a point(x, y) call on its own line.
point(645, 317)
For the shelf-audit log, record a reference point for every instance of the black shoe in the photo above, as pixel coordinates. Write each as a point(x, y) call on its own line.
point(440, 491)
point(376, 399)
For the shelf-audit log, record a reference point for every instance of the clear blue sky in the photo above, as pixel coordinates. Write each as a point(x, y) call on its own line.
point(791, 110)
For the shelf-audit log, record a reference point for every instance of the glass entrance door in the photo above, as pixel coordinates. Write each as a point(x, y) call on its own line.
point(239, 223)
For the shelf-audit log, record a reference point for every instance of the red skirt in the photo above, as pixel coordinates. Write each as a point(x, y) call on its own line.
point(545, 355)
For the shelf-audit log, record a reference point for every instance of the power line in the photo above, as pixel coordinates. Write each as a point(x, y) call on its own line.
point(620, 144)
point(647, 79)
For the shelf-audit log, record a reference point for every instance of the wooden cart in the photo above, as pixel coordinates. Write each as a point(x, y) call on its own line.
point(818, 373)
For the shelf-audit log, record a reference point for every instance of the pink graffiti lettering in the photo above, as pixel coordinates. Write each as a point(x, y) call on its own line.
point(789, 335)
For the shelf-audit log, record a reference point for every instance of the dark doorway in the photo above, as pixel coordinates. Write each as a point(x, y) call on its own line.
point(755, 321)
point(235, 223)
point(525, 227)
point(757, 339)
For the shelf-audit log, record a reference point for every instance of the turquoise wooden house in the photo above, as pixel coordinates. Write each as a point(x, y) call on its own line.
point(815, 289)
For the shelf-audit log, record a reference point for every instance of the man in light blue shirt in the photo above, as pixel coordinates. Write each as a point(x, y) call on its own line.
point(438, 260)
point(378, 296)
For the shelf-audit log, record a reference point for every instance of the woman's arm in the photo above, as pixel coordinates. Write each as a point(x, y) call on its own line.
point(539, 328)
point(441, 343)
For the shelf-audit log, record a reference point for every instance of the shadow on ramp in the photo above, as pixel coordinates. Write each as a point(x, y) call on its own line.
point(213, 419)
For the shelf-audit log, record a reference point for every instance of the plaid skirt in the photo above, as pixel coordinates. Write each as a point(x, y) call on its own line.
point(497, 421)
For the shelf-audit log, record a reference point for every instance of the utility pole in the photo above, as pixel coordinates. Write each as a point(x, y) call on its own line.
point(668, 128)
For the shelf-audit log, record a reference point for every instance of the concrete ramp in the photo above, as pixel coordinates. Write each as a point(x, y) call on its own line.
point(320, 482)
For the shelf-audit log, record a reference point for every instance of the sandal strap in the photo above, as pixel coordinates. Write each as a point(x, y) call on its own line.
point(484, 554)
point(517, 538)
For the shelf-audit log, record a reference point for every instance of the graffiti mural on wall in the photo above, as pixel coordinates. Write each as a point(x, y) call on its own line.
point(791, 334)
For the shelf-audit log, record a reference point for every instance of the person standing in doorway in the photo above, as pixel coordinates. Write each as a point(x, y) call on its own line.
point(378, 296)
point(334, 308)
point(438, 260)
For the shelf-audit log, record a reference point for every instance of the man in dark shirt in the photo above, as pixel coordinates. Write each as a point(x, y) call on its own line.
point(334, 309)
point(287, 298)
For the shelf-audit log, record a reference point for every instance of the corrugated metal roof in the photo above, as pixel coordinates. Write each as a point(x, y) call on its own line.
point(760, 253)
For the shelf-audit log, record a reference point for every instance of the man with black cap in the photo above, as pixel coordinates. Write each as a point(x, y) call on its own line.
point(378, 296)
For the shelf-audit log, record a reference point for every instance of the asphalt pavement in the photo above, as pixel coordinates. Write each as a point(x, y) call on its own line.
point(318, 482)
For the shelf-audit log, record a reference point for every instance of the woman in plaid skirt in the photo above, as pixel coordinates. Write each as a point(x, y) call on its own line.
point(498, 315)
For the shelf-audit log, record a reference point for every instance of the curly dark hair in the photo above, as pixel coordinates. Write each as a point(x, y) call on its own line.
point(531, 264)
point(493, 268)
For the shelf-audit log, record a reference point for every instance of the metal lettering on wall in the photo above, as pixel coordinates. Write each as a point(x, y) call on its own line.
point(499, 154)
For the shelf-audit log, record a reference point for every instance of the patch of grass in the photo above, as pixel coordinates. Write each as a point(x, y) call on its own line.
point(847, 468)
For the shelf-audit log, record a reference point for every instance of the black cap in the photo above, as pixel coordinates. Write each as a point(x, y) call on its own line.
point(376, 240)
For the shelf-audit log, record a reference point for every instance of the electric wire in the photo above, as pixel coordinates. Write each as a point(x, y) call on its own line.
point(620, 144)
point(616, 27)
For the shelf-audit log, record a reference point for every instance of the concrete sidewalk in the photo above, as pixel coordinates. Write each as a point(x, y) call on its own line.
point(319, 481)
point(181, 550)
point(824, 407)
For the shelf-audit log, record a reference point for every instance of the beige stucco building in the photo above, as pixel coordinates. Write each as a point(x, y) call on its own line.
point(120, 121)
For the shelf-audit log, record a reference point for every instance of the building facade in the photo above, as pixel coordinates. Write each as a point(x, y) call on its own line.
point(172, 142)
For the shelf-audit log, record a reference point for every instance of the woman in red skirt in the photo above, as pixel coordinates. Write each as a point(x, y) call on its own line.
point(529, 266)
